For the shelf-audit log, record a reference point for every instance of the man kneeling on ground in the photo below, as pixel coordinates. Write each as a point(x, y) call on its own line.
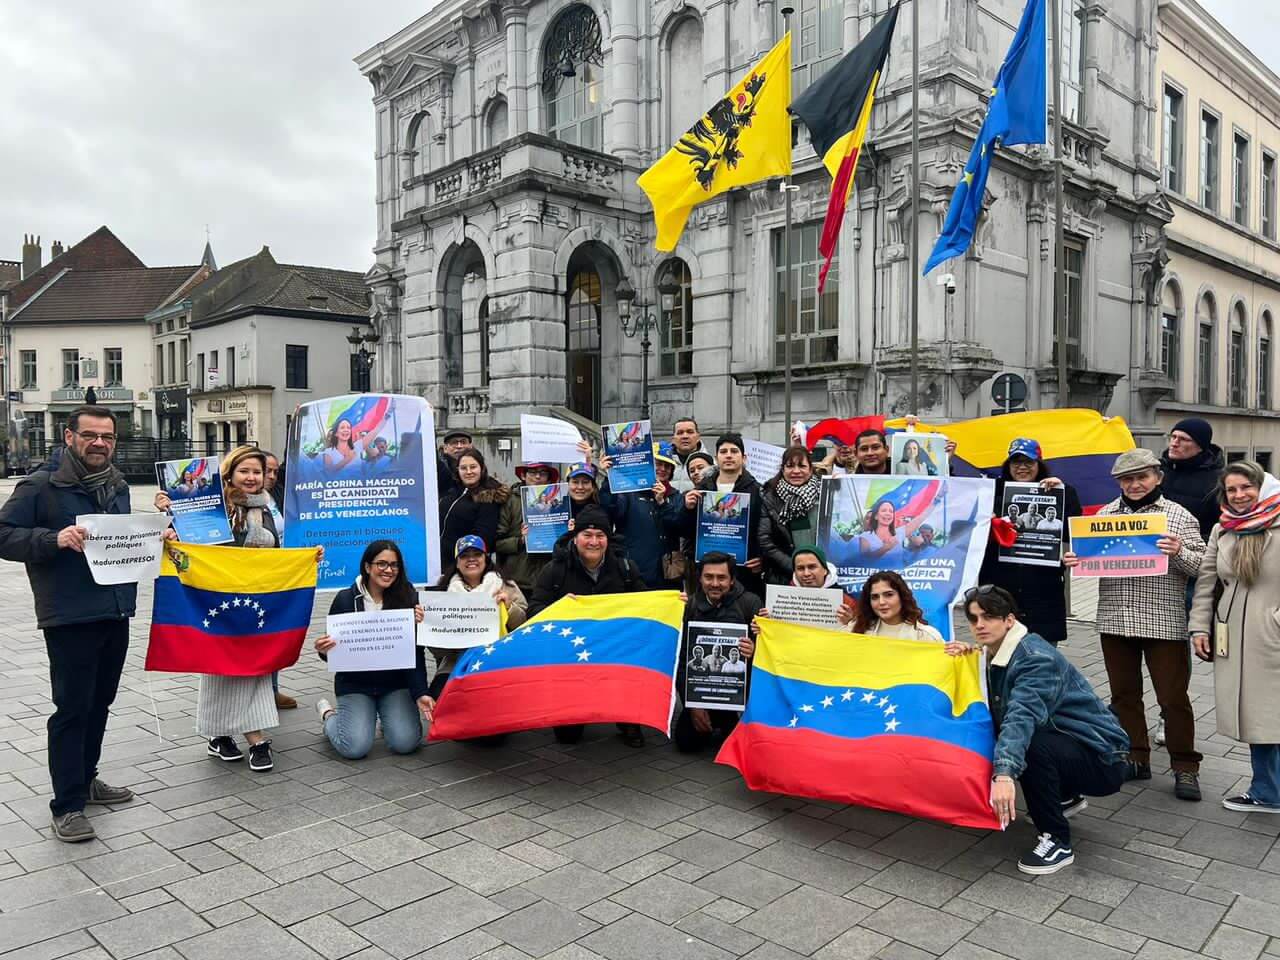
point(1053, 734)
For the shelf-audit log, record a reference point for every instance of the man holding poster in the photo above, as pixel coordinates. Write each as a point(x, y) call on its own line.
point(730, 476)
point(629, 447)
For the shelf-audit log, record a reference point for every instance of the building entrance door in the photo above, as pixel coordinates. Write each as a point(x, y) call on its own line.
point(582, 340)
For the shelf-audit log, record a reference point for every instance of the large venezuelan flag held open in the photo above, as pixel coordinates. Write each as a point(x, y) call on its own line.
point(604, 659)
point(894, 724)
point(229, 611)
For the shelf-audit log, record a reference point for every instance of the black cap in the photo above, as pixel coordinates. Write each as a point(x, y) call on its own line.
point(456, 433)
point(592, 518)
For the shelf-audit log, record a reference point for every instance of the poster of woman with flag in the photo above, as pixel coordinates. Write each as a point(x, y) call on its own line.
point(933, 531)
point(357, 463)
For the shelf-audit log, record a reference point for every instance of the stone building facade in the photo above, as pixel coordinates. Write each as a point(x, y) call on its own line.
point(509, 137)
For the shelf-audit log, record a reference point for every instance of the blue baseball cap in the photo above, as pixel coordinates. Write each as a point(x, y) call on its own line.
point(581, 470)
point(469, 542)
point(1023, 447)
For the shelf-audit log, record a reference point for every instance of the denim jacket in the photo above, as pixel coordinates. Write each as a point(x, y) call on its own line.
point(1031, 685)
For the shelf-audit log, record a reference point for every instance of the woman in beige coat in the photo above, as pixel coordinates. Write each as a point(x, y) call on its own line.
point(1244, 554)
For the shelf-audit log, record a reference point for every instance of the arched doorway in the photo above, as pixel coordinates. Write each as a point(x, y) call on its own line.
point(583, 314)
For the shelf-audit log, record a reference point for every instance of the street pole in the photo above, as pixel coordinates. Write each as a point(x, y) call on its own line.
point(1059, 245)
point(914, 268)
point(786, 280)
point(644, 383)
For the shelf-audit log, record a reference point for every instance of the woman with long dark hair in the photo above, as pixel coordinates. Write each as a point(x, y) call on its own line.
point(886, 607)
point(397, 698)
point(915, 461)
point(789, 518)
point(476, 507)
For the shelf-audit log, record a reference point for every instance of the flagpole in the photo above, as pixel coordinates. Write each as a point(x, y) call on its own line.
point(914, 270)
point(786, 280)
point(1059, 244)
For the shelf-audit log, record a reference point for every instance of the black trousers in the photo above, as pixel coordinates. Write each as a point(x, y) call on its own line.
point(85, 662)
point(1059, 767)
point(689, 740)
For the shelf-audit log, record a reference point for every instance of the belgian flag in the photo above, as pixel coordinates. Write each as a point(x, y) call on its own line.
point(837, 110)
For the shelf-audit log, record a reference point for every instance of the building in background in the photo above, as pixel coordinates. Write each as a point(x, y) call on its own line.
point(509, 137)
point(1220, 295)
point(266, 337)
point(171, 336)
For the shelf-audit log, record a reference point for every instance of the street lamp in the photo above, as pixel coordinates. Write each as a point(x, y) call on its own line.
point(644, 321)
point(363, 351)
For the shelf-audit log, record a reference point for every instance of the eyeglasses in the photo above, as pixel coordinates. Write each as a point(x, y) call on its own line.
point(1179, 438)
point(88, 436)
point(981, 591)
point(385, 565)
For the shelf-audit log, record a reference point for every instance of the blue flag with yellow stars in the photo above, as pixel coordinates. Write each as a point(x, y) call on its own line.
point(1015, 114)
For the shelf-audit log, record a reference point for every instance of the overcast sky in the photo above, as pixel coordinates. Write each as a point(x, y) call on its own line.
point(157, 118)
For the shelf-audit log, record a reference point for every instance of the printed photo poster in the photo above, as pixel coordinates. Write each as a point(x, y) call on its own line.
point(195, 499)
point(546, 514)
point(715, 675)
point(630, 446)
point(932, 531)
point(362, 467)
point(1036, 514)
point(1120, 545)
point(724, 524)
point(918, 454)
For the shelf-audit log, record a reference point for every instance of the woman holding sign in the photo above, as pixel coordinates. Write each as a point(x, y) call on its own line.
point(788, 517)
point(1239, 631)
point(397, 698)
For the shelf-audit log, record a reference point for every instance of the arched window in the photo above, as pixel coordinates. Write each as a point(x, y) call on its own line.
point(571, 78)
point(495, 123)
point(417, 145)
point(1264, 360)
point(1237, 359)
point(1206, 324)
point(582, 341)
point(677, 332)
point(685, 69)
point(1170, 324)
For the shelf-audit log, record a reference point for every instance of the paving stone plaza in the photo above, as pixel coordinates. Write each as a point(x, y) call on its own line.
point(533, 849)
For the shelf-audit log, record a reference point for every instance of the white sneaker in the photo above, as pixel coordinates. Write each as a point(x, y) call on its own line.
point(324, 708)
point(1159, 737)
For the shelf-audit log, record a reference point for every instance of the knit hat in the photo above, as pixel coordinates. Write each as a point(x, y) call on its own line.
point(1135, 461)
point(1201, 431)
point(699, 455)
point(468, 542)
point(581, 470)
point(815, 550)
point(592, 518)
point(1024, 447)
point(733, 438)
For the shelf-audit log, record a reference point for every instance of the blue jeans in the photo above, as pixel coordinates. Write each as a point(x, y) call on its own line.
point(1265, 787)
point(350, 728)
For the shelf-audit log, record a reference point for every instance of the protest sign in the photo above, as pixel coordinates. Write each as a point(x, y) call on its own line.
point(630, 446)
point(362, 467)
point(1119, 545)
point(810, 606)
point(548, 440)
point(1036, 516)
point(724, 524)
point(546, 514)
point(715, 675)
point(455, 621)
point(764, 460)
point(918, 454)
point(372, 640)
point(194, 488)
point(933, 531)
point(123, 547)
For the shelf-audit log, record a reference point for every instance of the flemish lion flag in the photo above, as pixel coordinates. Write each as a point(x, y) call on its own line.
point(744, 138)
point(837, 110)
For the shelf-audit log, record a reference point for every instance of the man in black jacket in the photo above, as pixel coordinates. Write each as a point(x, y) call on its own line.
point(1191, 467)
point(451, 447)
point(731, 476)
point(720, 598)
point(86, 626)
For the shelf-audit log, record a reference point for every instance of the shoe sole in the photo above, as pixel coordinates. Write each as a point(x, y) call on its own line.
point(215, 753)
point(1188, 797)
point(269, 766)
point(66, 838)
point(1249, 808)
point(1048, 868)
point(1080, 807)
point(109, 803)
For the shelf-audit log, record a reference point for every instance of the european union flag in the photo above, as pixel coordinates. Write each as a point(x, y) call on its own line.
point(1016, 114)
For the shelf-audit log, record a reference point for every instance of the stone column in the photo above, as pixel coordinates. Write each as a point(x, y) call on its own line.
point(624, 82)
point(517, 23)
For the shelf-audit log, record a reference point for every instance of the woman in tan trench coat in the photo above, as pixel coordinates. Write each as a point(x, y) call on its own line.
point(1244, 624)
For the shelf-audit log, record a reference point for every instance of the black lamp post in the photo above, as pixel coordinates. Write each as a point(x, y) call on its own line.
point(644, 321)
point(363, 350)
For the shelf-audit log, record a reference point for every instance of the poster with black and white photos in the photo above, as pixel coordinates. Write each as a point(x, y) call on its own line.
point(715, 675)
point(1036, 514)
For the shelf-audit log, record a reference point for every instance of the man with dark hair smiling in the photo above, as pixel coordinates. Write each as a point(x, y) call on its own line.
point(1053, 734)
point(731, 476)
point(871, 447)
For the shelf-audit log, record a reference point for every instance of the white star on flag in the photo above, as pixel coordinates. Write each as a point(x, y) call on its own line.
point(225, 605)
point(846, 696)
point(489, 648)
point(235, 602)
point(883, 702)
point(584, 655)
point(891, 709)
point(578, 641)
point(891, 726)
point(806, 708)
point(566, 631)
point(548, 627)
point(206, 623)
point(213, 612)
point(259, 624)
point(527, 630)
point(476, 666)
point(868, 697)
point(827, 701)
point(794, 721)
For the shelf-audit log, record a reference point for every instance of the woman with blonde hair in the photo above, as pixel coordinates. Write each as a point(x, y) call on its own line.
point(1239, 629)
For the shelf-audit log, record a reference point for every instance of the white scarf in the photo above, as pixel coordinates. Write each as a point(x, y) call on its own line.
point(491, 583)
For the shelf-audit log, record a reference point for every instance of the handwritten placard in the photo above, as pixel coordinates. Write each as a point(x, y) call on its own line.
point(372, 640)
point(455, 621)
point(123, 548)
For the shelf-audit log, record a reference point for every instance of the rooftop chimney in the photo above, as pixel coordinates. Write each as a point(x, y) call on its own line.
point(55, 250)
point(31, 257)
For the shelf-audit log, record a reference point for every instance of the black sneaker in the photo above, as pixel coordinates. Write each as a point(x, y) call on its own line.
point(1073, 805)
point(1186, 785)
point(224, 748)
point(73, 827)
point(1137, 771)
point(260, 756)
point(104, 793)
point(1247, 804)
point(1049, 856)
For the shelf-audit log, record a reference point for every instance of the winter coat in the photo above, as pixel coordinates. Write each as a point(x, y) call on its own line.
point(516, 562)
point(737, 606)
point(1039, 591)
point(745, 483)
point(651, 529)
point(1193, 484)
point(468, 512)
point(374, 683)
point(776, 539)
point(1246, 682)
point(565, 574)
point(1152, 607)
point(64, 590)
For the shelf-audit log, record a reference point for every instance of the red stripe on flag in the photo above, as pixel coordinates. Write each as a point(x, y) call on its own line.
point(175, 649)
point(530, 698)
point(912, 775)
point(835, 213)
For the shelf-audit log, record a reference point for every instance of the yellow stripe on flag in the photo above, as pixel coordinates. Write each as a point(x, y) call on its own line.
point(663, 606)
point(237, 570)
point(855, 138)
point(1061, 433)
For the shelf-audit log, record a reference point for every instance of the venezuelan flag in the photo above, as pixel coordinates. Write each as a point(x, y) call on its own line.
point(363, 412)
point(604, 659)
point(225, 611)
point(894, 724)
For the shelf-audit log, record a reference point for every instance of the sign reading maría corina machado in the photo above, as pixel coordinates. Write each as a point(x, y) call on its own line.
point(361, 468)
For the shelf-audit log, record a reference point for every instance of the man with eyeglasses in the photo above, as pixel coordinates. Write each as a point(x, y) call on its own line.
point(451, 447)
point(86, 626)
point(1192, 464)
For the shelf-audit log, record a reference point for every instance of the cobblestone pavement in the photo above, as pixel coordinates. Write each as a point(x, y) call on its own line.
point(533, 849)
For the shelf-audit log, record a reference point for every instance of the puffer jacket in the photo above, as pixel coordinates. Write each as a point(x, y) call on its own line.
point(777, 542)
point(478, 513)
point(1193, 485)
point(650, 529)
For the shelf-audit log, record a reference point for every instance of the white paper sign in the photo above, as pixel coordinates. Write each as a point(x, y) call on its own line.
point(764, 460)
point(812, 606)
point(123, 547)
point(372, 640)
point(548, 440)
point(456, 621)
